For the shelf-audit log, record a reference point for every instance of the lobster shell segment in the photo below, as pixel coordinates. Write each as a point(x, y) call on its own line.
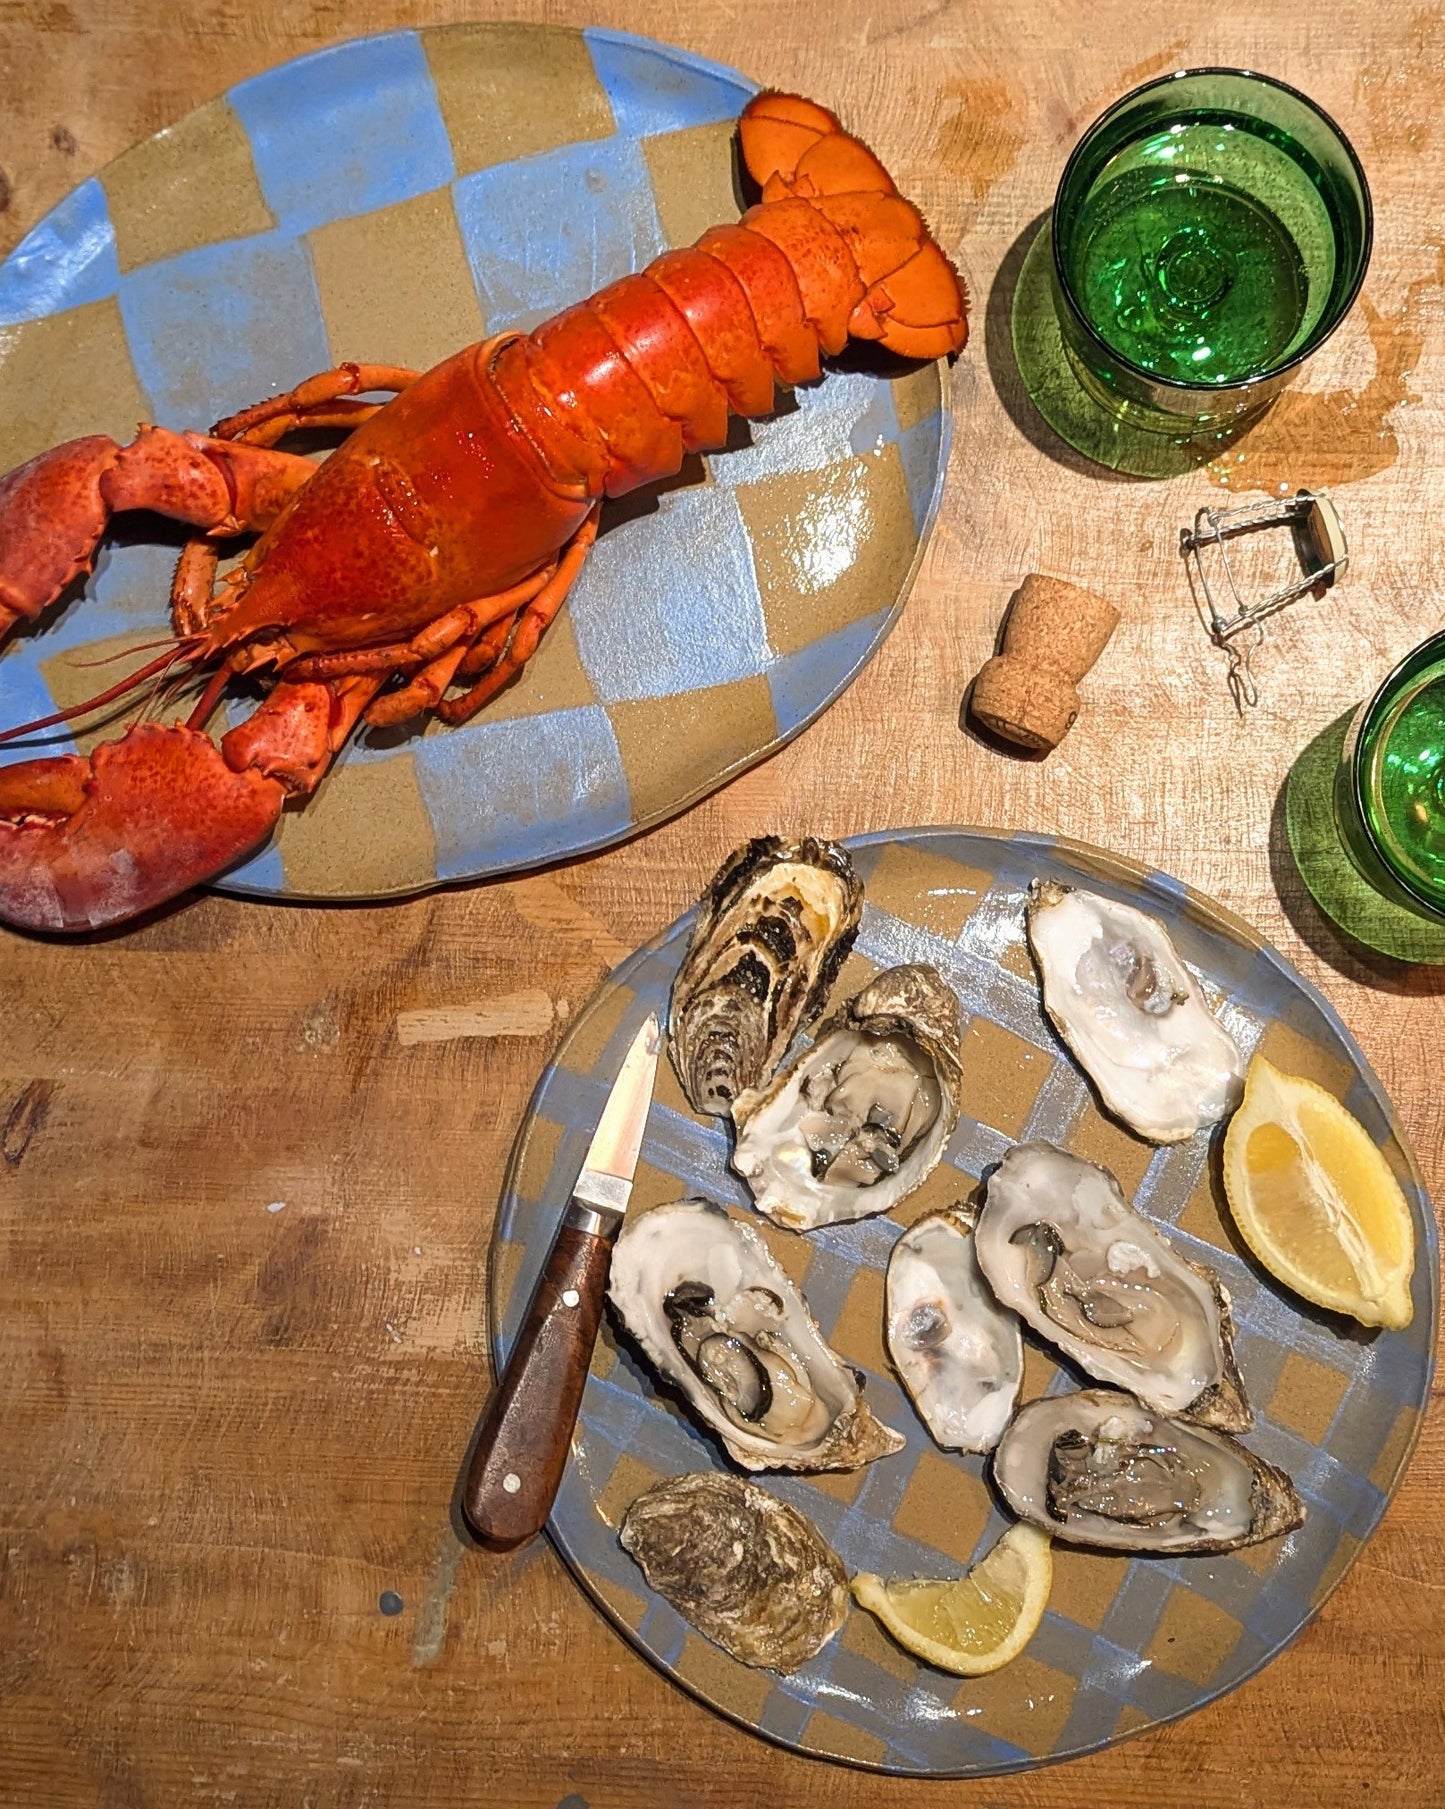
point(913, 310)
point(560, 445)
point(836, 165)
point(908, 295)
point(775, 296)
point(778, 130)
point(714, 304)
point(576, 363)
point(660, 347)
point(825, 268)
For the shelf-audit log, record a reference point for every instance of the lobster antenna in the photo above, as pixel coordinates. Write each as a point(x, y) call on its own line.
point(161, 693)
point(109, 659)
point(181, 650)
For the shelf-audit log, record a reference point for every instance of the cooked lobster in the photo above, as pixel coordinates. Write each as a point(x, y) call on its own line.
point(432, 549)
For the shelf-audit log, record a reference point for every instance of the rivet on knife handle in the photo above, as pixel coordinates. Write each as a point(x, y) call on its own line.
point(519, 1457)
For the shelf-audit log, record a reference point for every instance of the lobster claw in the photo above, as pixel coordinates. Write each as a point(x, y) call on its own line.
point(86, 842)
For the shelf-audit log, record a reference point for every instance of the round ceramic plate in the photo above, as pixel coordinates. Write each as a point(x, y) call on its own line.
point(1125, 1644)
point(390, 200)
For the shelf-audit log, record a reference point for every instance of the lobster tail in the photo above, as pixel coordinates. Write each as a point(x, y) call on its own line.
point(614, 391)
point(910, 297)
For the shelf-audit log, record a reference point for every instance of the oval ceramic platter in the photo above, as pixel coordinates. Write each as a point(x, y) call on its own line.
point(392, 199)
point(1125, 1644)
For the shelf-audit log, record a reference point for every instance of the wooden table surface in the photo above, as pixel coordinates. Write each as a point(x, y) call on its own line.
point(227, 1429)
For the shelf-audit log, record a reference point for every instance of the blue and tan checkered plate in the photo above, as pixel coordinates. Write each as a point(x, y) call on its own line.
point(1124, 1644)
point(390, 200)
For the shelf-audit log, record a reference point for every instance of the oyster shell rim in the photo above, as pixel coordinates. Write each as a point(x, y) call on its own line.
point(855, 1437)
point(941, 1041)
point(1044, 893)
point(1223, 1405)
point(1276, 1505)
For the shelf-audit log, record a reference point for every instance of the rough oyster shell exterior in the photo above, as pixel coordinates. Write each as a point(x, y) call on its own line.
point(774, 927)
point(748, 1571)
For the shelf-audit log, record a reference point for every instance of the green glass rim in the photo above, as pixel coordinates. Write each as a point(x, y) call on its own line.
point(1183, 385)
point(1419, 658)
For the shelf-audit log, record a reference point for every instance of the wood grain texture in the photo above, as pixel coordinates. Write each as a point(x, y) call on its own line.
point(244, 1210)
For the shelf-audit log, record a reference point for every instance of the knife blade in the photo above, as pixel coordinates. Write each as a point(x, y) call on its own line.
point(521, 1449)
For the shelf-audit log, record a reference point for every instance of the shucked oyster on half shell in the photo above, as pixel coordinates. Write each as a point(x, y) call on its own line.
point(960, 1354)
point(775, 925)
point(749, 1572)
point(717, 1317)
point(860, 1119)
point(1058, 1242)
point(1099, 1468)
point(1132, 1013)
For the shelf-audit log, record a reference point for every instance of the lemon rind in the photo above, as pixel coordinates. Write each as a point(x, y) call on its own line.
point(1029, 1546)
point(1389, 1306)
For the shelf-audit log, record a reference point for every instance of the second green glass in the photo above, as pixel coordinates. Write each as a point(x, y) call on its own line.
point(1209, 232)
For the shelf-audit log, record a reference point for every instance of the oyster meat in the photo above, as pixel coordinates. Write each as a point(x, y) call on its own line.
point(860, 1119)
point(773, 929)
point(1132, 1013)
point(716, 1316)
point(748, 1571)
point(1099, 1468)
point(960, 1354)
point(1058, 1242)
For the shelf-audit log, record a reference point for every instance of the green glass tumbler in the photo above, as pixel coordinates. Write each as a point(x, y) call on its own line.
point(1390, 787)
point(1365, 813)
point(1210, 231)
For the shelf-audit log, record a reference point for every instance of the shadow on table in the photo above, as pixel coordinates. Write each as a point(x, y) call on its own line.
point(1332, 872)
point(1009, 382)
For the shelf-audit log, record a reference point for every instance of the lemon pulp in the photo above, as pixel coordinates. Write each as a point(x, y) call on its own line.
point(1316, 1201)
point(972, 1624)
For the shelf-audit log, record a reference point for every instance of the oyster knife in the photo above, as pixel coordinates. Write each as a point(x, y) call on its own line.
point(521, 1448)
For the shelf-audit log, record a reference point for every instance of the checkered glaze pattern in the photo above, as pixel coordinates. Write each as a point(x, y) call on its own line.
point(390, 200)
point(1124, 1643)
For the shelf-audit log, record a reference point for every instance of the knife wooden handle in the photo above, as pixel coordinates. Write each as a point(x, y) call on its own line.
point(527, 1429)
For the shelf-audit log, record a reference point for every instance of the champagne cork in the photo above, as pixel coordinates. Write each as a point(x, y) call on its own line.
point(1055, 633)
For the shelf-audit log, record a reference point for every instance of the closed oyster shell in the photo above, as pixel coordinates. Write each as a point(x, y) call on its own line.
point(1058, 1242)
point(859, 1120)
point(748, 1571)
point(1099, 1468)
point(718, 1318)
point(1132, 1013)
point(774, 927)
point(960, 1354)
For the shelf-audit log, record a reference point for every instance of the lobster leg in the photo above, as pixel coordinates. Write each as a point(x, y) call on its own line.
point(527, 629)
point(440, 649)
point(424, 692)
point(315, 393)
point(488, 647)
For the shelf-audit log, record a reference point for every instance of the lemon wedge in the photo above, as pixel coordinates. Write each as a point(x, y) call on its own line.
point(1315, 1199)
point(972, 1624)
